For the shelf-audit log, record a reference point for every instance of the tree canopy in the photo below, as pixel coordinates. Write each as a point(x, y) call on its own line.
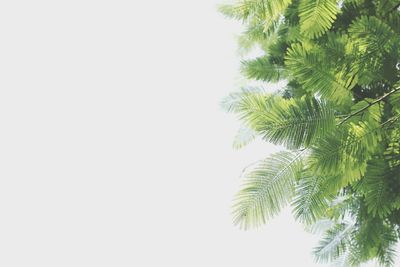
point(337, 116)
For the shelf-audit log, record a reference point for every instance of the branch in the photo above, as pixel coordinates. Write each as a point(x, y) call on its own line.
point(369, 105)
point(394, 8)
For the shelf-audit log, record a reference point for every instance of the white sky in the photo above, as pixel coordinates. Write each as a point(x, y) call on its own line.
point(114, 151)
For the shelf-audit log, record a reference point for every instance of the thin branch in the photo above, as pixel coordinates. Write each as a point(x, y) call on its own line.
point(382, 125)
point(369, 105)
point(394, 8)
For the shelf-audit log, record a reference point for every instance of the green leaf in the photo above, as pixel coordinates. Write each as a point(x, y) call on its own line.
point(294, 123)
point(275, 9)
point(313, 195)
point(333, 243)
point(309, 69)
point(345, 152)
point(233, 102)
point(376, 188)
point(266, 189)
point(243, 10)
point(261, 69)
point(317, 16)
point(372, 35)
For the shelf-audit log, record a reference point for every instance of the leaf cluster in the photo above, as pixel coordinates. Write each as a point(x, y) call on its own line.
point(338, 118)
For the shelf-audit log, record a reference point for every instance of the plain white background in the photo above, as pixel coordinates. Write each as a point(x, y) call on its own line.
point(113, 148)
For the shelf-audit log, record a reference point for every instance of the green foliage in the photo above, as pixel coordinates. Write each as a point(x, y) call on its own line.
point(307, 67)
point(262, 69)
point(316, 17)
point(338, 118)
point(372, 35)
point(334, 242)
point(376, 188)
point(294, 123)
point(312, 197)
point(267, 189)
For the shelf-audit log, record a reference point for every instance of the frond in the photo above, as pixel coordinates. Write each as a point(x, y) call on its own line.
point(328, 157)
point(243, 10)
point(232, 102)
point(387, 255)
point(392, 152)
point(262, 69)
point(294, 123)
point(376, 188)
point(350, 257)
point(312, 197)
point(308, 68)
point(375, 239)
point(252, 35)
point(275, 9)
point(267, 12)
point(374, 44)
point(345, 152)
point(267, 189)
point(370, 34)
point(333, 244)
point(316, 17)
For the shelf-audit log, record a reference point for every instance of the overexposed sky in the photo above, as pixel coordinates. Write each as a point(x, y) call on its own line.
point(113, 148)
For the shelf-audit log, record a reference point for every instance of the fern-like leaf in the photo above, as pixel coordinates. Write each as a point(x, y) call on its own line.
point(294, 123)
point(312, 197)
point(317, 16)
point(262, 69)
point(316, 77)
point(333, 243)
point(376, 188)
point(266, 190)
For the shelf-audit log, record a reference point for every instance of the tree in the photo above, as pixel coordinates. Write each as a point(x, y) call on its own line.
point(337, 117)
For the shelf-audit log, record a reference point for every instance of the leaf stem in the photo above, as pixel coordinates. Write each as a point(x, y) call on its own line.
point(367, 106)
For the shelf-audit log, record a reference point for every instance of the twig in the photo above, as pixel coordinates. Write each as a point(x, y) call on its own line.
point(369, 105)
point(394, 8)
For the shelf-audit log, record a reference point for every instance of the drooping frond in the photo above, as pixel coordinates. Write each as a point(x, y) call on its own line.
point(312, 197)
point(266, 190)
point(262, 69)
point(376, 188)
point(333, 243)
point(374, 238)
point(387, 251)
point(349, 257)
point(317, 16)
point(294, 123)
